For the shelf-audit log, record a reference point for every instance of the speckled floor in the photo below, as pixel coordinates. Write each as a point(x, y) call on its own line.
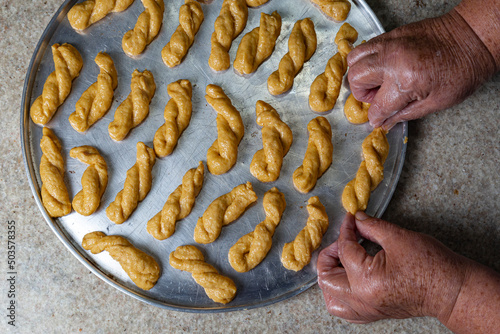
point(448, 188)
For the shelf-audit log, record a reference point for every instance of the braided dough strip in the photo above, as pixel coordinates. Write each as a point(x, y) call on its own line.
point(318, 157)
point(356, 193)
point(336, 9)
point(94, 179)
point(219, 288)
point(190, 19)
point(326, 87)
point(223, 211)
point(258, 45)
point(253, 247)
point(135, 108)
point(297, 254)
point(137, 185)
point(301, 46)
point(139, 266)
point(55, 197)
point(179, 204)
point(148, 25)
point(276, 141)
point(68, 63)
point(356, 111)
point(97, 99)
point(84, 14)
point(223, 153)
point(256, 3)
point(229, 24)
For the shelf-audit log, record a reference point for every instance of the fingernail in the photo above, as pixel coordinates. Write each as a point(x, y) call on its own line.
point(360, 215)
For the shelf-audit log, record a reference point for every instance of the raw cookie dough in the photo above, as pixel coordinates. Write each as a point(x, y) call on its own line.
point(55, 197)
point(135, 108)
point(178, 205)
point(253, 247)
point(301, 46)
point(190, 19)
point(139, 266)
point(256, 3)
point(258, 45)
point(94, 179)
point(336, 9)
point(297, 254)
point(223, 211)
point(276, 141)
point(220, 289)
point(177, 115)
point(356, 111)
point(356, 193)
point(318, 155)
point(223, 153)
point(146, 28)
point(83, 14)
point(68, 63)
point(229, 24)
point(137, 185)
point(97, 99)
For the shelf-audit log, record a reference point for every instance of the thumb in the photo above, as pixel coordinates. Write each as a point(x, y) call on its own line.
point(377, 230)
point(352, 255)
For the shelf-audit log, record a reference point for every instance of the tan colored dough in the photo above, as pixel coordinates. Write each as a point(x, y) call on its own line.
point(256, 3)
point(356, 111)
point(86, 13)
point(336, 9)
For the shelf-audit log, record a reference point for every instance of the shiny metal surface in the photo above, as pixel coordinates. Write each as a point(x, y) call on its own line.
point(270, 281)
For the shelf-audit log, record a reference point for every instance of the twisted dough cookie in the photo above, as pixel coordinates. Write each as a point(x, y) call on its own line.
point(139, 266)
point(276, 141)
point(177, 115)
point(94, 179)
point(223, 153)
point(136, 187)
point(220, 289)
point(356, 193)
point(146, 28)
point(356, 111)
point(301, 46)
point(326, 87)
point(256, 3)
point(135, 108)
point(68, 63)
point(223, 211)
point(229, 24)
point(297, 254)
point(336, 9)
point(82, 15)
point(253, 247)
point(178, 205)
point(258, 44)
point(190, 19)
point(97, 99)
point(318, 155)
point(55, 197)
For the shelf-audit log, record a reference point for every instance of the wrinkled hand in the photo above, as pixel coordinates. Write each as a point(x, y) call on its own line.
point(418, 69)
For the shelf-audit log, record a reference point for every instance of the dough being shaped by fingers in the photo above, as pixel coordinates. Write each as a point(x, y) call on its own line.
point(148, 25)
point(223, 153)
point(229, 24)
point(356, 111)
point(356, 193)
point(253, 247)
point(135, 108)
point(178, 205)
point(220, 289)
point(223, 211)
point(297, 254)
point(55, 197)
point(177, 115)
point(139, 266)
point(326, 87)
point(94, 179)
point(256, 3)
point(258, 45)
point(276, 141)
point(336, 9)
point(318, 157)
point(86, 13)
point(68, 63)
point(97, 99)
point(190, 19)
point(301, 46)
point(137, 185)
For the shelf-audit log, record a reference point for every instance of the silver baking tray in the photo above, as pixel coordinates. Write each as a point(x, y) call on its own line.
point(269, 282)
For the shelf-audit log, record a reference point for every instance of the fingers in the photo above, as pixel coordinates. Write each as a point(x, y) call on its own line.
point(332, 278)
point(365, 77)
point(377, 230)
point(351, 253)
point(413, 110)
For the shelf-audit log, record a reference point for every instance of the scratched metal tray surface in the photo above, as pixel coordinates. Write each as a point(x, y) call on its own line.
point(269, 282)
